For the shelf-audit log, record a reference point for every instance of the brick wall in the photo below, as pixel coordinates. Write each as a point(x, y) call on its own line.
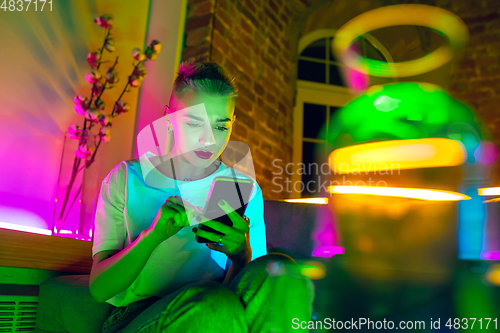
point(256, 42)
point(251, 39)
point(477, 78)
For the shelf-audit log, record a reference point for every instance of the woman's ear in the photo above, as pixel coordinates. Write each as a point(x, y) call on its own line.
point(234, 118)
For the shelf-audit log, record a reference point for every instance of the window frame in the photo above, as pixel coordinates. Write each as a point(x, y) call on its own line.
point(318, 93)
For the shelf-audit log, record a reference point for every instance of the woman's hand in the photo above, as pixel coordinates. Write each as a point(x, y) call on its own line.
point(170, 219)
point(235, 241)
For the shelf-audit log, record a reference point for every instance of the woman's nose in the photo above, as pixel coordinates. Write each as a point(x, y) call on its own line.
point(207, 138)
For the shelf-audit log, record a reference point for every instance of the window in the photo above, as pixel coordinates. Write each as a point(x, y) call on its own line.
point(317, 64)
point(320, 93)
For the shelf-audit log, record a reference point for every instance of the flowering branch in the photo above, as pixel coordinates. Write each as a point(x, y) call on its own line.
point(92, 109)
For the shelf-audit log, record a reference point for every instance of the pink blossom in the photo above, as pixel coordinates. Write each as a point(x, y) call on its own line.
point(81, 104)
point(111, 75)
point(99, 103)
point(92, 114)
point(74, 131)
point(135, 81)
point(93, 76)
point(151, 54)
point(83, 151)
point(93, 58)
point(140, 71)
point(121, 107)
point(156, 46)
point(104, 21)
point(79, 99)
point(110, 44)
point(79, 109)
point(136, 53)
point(105, 133)
point(153, 49)
point(105, 120)
point(98, 87)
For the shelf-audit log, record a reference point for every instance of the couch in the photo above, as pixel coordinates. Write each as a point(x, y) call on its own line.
point(66, 305)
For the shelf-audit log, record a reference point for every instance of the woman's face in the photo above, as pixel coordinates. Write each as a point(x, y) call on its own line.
point(202, 125)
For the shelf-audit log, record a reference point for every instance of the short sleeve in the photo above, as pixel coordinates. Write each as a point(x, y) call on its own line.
point(109, 218)
point(257, 233)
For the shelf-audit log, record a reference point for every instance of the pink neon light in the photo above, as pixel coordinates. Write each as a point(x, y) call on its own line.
point(491, 255)
point(327, 251)
point(24, 228)
point(358, 80)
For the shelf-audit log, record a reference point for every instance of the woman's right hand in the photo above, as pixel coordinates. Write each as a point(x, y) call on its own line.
point(171, 218)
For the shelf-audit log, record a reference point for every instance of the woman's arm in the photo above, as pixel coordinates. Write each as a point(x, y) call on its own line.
point(115, 270)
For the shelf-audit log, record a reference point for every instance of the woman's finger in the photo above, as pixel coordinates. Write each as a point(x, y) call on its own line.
point(175, 200)
point(238, 222)
point(221, 227)
point(208, 235)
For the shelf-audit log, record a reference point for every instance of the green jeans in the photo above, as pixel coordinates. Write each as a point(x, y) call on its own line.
point(264, 297)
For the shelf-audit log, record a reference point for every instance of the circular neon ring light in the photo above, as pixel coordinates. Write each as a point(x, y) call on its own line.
point(448, 24)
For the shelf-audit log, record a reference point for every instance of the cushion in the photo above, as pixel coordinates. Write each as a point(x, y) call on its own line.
point(290, 227)
point(66, 305)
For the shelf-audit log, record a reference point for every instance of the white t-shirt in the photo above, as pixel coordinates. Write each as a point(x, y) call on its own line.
point(127, 205)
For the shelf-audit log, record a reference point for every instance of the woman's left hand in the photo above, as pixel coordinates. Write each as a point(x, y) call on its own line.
point(235, 241)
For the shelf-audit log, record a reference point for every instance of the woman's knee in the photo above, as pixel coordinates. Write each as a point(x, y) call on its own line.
point(210, 293)
point(209, 305)
point(273, 264)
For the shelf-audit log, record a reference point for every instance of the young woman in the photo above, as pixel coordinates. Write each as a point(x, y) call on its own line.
point(147, 262)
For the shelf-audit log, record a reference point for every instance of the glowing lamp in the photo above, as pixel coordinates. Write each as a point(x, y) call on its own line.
point(489, 191)
point(411, 193)
point(405, 154)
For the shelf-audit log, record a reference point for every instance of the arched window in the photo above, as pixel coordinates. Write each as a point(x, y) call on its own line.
point(320, 92)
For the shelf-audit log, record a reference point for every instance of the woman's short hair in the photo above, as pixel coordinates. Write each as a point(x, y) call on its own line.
point(207, 77)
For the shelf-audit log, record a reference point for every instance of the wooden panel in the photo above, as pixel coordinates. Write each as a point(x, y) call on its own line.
point(28, 250)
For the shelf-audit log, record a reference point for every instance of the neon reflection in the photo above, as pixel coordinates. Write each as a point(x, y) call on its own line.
point(313, 270)
point(327, 251)
point(493, 275)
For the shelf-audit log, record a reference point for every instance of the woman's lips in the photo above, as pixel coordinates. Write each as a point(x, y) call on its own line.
point(203, 154)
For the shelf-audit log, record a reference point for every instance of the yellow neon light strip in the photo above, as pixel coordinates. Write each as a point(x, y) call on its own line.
point(397, 155)
point(489, 191)
point(412, 193)
point(318, 201)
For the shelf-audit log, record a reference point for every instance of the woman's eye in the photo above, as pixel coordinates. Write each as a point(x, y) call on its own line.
point(193, 125)
point(222, 129)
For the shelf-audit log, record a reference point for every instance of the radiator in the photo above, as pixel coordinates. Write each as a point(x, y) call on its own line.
point(18, 313)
